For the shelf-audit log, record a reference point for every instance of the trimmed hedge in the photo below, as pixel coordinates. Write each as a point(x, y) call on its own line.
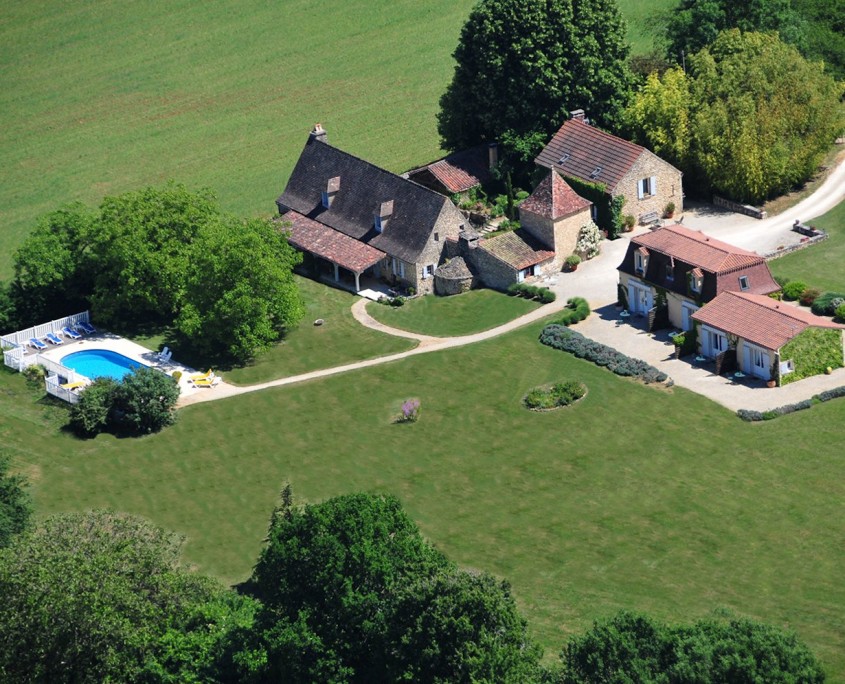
point(576, 310)
point(542, 294)
point(793, 290)
point(755, 416)
point(561, 337)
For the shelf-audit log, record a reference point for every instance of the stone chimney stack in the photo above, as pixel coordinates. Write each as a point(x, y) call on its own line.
point(319, 133)
point(576, 114)
point(492, 155)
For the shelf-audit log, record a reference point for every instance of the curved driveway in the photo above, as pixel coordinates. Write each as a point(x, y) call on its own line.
point(596, 280)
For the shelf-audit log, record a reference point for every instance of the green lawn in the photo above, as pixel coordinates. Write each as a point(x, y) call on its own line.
point(104, 97)
point(821, 265)
point(341, 339)
point(634, 498)
point(464, 314)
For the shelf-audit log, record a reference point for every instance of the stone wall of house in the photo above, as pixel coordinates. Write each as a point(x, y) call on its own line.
point(493, 273)
point(560, 235)
point(669, 186)
point(448, 225)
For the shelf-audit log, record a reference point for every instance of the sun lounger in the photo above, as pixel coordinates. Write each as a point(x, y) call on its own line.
point(87, 328)
point(35, 343)
point(74, 385)
point(207, 382)
point(202, 376)
point(53, 339)
point(72, 334)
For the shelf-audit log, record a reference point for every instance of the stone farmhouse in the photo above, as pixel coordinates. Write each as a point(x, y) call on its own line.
point(679, 270)
point(607, 169)
point(772, 340)
point(351, 217)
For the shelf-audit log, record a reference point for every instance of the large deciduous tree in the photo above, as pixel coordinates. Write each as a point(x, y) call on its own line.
point(695, 24)
point(353, 593)
point(750, 119)
point(99, 596)
point(523, 64)
point(239, 293)
point(636, 648)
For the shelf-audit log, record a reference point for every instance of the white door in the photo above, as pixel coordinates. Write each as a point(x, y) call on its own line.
point(687, 310)
point(759, 362)
point(639, 298)
point(713, 343)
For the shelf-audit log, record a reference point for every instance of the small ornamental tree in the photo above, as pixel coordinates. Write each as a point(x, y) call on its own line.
point(145, 400)
point(90, 415)
point(589, 241)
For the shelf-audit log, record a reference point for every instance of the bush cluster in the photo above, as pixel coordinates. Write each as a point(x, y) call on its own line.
point(558, 395)
point(540, 294)
point(793, 290)
point(561, 337)
point(839, 314)
point(827, 395)
point(808, 296)
point(392, 301)
point(576, 310)
point(826, 304)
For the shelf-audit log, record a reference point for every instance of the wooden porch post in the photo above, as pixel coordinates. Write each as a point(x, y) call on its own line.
point(336, 273)
point(357, 283)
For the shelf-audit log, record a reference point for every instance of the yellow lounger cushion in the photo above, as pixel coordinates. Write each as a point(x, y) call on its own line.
point(74, 385)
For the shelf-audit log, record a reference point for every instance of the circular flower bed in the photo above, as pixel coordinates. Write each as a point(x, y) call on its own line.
point(554, 396)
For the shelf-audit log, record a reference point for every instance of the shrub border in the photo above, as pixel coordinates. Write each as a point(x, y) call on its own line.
point(751, 416)
point(549, 385)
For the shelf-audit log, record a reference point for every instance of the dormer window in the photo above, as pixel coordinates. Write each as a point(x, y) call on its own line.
point(743, 283)
point(332, 186)
point(696, 277)
point(641, 261)
point(382, 215)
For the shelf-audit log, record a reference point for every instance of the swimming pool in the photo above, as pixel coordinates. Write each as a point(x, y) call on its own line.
point(96, 363)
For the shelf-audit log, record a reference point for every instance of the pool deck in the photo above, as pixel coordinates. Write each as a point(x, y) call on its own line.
point(129, 349)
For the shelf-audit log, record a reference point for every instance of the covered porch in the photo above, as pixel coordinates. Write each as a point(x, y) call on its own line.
point(345, 257)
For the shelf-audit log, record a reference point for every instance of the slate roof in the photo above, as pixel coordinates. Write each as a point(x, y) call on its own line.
point(460, 170)
point(363, 188)
point(553, 198)
point(759, 319)
point(517, 248)
point(314, 237)
point(584, 149)
point(697, 249)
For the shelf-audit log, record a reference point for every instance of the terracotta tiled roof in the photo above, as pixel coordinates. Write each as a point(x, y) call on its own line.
point(312, 236)
point(517, 248)
point(583, 151)
point(461, 170)
point(553, 198)
point(759, 319)
point(697, 249)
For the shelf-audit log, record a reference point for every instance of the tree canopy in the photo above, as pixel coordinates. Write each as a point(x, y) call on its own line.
point(15, 502)
point(749, 120)
point(352, 592)
point(636, 648)
point(522, 65)
point(99, 596)
point(162, 257)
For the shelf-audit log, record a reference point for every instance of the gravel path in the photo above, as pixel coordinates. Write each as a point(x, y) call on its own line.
point(596, 280)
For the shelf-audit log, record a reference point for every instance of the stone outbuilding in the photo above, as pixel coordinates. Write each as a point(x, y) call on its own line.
point(600, 164)
point(454, 277)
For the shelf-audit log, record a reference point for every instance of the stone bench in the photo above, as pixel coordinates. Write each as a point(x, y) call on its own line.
point(649, 218)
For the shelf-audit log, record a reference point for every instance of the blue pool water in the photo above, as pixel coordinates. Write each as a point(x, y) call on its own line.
point(96, 363)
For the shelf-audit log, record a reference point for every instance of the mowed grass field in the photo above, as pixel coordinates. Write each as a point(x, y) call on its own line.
point(468, 313)
point(822, 265)
point(636, 497)
point(103, 97)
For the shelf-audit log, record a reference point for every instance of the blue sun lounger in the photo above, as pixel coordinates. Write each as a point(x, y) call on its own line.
point(87, 328)
point(53, 339)
point(35, 343)
point(72, 334)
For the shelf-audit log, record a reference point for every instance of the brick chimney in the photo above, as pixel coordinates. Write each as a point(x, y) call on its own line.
point(319, 133)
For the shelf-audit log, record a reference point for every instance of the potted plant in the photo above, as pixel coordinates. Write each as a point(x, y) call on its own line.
point(628, 221)
point(772, 381)
point(679, 340)
point(572, 262)
point(669, 210)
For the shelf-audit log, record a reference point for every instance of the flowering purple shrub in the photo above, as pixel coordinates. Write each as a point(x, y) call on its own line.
point(410, 411)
